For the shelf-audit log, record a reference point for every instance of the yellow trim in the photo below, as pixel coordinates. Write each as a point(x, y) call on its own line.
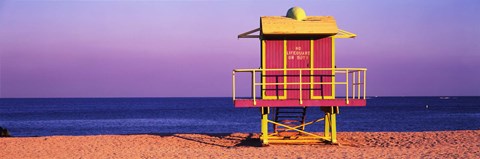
point(284, 68)
point(312, 53)
point(333, 66)
point(299, 140)
point(263, 69)
point(324, 97)
point(312, 63)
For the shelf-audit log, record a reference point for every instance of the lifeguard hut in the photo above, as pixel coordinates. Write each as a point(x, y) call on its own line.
point(297, 72)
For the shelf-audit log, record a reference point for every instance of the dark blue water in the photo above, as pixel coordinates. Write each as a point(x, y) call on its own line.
point(92, 116)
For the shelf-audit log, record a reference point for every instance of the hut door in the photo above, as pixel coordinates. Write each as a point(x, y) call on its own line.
point(323, 58)
point(298, 56)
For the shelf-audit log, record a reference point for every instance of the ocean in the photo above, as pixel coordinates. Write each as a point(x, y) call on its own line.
point(101, 116)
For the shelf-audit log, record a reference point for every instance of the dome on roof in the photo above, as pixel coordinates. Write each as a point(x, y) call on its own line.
point(296, 13)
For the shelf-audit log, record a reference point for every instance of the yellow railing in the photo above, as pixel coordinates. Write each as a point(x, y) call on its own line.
point(355, 80)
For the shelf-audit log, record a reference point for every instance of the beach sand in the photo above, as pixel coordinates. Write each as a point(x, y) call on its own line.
point(441, 144)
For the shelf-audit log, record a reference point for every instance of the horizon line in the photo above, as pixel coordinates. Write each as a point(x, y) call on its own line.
point(197, 97)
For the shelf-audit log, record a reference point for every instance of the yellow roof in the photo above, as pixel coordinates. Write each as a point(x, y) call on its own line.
point(312, 25)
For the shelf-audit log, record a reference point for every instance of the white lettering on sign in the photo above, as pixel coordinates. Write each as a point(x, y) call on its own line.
point(298, 54)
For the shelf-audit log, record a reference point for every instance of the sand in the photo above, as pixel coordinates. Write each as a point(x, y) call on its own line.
point(441, 144)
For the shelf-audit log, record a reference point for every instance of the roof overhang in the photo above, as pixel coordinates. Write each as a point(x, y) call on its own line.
point(340, 34)
point(248, 34)
point(344, 34)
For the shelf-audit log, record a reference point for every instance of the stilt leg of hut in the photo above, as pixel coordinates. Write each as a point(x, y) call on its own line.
point(330, 132)
point(333, 123)
point(327, 124)
point(264, 136)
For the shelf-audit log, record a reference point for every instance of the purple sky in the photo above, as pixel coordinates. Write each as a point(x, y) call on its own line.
point(189, 48)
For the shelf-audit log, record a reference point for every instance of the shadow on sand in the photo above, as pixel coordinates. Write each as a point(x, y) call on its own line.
point(225, 140)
